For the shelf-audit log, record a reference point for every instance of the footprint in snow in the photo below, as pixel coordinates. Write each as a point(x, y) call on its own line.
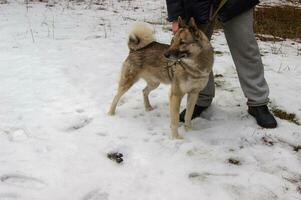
point(150, 128)
point(9, 196)
point(96, 195)
point(152, 133)
point(16, 135)
point(23, 181)
point(206, 175)
point(102, 134)
point(80, 124)
point(252, 192)
point(80, 110)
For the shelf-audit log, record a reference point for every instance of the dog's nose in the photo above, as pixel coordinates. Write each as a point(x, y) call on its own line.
point(167, 54)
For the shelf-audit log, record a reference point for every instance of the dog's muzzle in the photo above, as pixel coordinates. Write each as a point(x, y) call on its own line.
point(176, 55)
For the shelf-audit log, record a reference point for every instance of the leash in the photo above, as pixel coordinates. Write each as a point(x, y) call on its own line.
point(213, 16)
point(171, 70)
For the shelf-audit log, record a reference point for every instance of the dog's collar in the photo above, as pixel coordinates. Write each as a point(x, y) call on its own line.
point(171, 67)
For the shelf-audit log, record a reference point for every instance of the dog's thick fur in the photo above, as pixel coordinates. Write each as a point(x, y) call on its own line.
point(185, 64)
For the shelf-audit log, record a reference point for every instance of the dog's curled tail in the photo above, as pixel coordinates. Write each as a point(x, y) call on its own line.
point(140, 35)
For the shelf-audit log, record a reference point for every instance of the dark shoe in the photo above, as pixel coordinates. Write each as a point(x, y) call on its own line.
point(263, 116)
point(196, 112)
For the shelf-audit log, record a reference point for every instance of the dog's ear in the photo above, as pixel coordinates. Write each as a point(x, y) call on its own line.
point(181, 22)
point(192, 25)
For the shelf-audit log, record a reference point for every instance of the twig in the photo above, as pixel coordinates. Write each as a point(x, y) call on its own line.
point(52, 27)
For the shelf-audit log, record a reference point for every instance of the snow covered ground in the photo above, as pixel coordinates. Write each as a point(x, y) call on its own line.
point(281, 2)
point(58, 72)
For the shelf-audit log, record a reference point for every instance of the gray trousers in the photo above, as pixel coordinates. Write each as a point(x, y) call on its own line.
point(247, 59)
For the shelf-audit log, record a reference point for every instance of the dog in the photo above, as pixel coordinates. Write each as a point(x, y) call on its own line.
point(185, 64)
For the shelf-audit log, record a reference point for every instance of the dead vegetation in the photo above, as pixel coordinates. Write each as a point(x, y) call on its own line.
point(267, 141)
point(282, 114)
point(271, 141)
point(297, 148)
point(271, 23)
point(115, 156)
point(278, 21)
point(234, 161)
point(216, 52)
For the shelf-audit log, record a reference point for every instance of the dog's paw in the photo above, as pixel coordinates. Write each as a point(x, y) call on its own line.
point(188, 128)
point(111, 113)
point(149, 108)
point(177, 137)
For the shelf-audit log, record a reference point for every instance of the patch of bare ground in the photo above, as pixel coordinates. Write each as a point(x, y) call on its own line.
point(282, 114)
point(278, 21)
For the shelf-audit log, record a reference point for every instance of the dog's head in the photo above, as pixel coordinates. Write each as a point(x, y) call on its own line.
point(188, 41)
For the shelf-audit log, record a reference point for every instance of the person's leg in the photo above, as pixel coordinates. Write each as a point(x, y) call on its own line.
point(247, 59)
point(246, 56)
point(207, 94)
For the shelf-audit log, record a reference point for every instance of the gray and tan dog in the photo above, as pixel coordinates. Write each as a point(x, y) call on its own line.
point(185, 64)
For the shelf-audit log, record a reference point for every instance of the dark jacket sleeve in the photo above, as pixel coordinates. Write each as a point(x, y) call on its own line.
point(233, 8)
point(175, 9)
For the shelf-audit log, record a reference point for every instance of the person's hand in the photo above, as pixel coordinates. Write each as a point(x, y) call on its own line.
point(175, 26)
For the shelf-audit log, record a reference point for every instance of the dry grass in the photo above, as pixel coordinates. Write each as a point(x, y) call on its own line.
point(234, 161)
point(291, 117)
point(278, 21)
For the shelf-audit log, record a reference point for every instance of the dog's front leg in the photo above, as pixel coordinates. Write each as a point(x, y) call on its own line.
point(191, 101)
point(174, 103)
